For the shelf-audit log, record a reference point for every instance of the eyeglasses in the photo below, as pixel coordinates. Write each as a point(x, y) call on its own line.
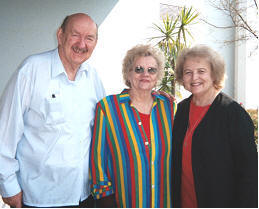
point(150, 70)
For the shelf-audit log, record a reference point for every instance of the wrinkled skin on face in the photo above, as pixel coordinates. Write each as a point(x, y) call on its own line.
point(197, 76)
point(144, 81)
point(77, 42)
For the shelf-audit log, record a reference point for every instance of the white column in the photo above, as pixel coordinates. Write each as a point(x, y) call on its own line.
point(240, 63)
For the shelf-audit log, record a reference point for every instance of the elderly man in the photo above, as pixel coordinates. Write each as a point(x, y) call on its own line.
point(46, 116)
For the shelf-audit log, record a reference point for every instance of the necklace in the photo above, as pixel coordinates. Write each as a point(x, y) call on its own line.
point(197, 121)
point(142, 103)
point(142, 128)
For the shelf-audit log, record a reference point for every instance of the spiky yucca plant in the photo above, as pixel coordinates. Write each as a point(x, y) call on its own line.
point(172, 39)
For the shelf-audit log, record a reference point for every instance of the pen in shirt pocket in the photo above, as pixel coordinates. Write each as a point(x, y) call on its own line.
point(54, 96)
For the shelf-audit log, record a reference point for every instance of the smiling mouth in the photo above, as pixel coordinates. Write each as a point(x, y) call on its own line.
point(195, 84)
point(79, 50)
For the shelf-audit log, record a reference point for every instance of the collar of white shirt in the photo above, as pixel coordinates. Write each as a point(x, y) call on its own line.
point(58, 67)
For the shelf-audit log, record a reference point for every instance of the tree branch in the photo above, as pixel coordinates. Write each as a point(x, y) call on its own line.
point(231, 9)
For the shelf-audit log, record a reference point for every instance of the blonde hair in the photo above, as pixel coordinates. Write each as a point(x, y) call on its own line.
point(142, 51)
point(216, 62)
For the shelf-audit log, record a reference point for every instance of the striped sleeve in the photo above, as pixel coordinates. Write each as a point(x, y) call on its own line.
point(99, 162)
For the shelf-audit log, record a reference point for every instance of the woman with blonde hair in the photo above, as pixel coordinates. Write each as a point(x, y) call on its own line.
point(214, 152)
point(130, 159)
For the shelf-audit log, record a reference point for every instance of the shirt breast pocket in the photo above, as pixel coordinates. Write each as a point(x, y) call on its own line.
point(54, 112)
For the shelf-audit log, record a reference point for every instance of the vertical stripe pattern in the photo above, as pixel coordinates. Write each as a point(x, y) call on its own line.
point(118, 161)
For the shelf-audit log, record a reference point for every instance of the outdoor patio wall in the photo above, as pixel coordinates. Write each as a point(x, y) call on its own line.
point(216, 37)
point(29, 27)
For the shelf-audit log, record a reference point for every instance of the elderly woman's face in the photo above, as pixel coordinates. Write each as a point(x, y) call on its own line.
point(197, 76)
point(144, 74)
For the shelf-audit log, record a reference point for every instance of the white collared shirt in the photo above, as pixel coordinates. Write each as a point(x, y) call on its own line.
point(45, 132)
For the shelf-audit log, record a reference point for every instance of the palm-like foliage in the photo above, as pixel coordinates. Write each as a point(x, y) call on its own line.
point(172, 40)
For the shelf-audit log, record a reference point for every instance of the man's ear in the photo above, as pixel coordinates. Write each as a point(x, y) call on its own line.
point(59, 35)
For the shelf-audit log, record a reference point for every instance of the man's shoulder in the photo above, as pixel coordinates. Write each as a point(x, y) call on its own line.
point(36, 62)
point(40, 57)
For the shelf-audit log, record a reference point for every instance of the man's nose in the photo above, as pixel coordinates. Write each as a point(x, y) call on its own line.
point(82, 43)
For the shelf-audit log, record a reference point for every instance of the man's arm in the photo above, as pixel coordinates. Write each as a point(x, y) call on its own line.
point(13, 104)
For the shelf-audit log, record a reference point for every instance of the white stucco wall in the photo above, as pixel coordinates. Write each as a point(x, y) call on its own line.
point(29, 26)
point(215, 38)
point(205, 34)
point(128, 24)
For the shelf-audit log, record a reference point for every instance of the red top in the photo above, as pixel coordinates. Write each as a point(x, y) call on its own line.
point(188, 195)
point(145, 120)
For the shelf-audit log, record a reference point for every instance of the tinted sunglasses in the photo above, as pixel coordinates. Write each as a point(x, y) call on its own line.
point(150, 70)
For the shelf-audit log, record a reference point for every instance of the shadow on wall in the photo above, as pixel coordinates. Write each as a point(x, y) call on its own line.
point(101, 9)
point(29, 27)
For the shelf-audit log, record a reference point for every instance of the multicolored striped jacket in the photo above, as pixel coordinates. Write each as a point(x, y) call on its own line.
point(118, 160)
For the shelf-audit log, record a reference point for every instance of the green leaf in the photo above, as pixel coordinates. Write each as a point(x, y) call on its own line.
point(174, 33)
